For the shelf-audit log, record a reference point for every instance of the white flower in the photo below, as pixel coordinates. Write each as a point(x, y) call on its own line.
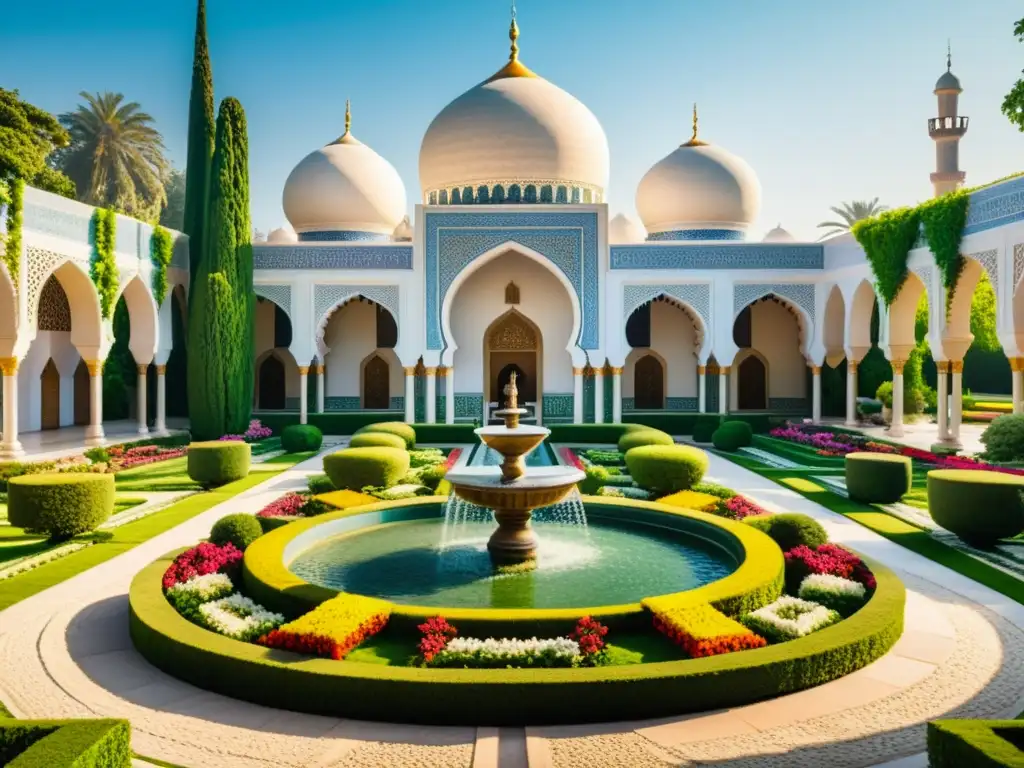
point(826, 583)
point(206, 587)
point(790, 617)
point(239, 617)
point(512, 647)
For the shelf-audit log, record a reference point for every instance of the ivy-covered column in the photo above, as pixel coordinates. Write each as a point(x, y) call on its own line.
point(896, 425)
point(702, 389)
point(449, 395)
point(599, 395)
point(616, 395)
point(160, 422)
point(577, 395)
point(956, 406)
point(1017, 368)
point(851, 393)
point(94, 434)
point(816, 394)
point(10, 446)
point(723, 390)
point(942, 402)
point(140, 397)
point(410, 394)
point(431, 374)
point(319, 368)
point(303, 404)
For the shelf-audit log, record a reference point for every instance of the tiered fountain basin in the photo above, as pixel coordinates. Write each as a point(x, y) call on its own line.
point(494, 697)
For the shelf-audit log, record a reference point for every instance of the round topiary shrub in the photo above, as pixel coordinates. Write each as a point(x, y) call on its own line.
point(1004, 438)
point(319, 484)
point(641, 437)
point(790, 529)
point(666, 468)
point(60, 505)
point(218, 462)
point(239, 529)
point(878, 478)
point(705, 427)
point(297, 438)
point(400, 428)
point(356, 468)
point(979, 506)
point(376, 440)
point(732, 436)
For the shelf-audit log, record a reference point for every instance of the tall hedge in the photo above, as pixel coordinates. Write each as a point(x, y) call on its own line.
point(200, 144)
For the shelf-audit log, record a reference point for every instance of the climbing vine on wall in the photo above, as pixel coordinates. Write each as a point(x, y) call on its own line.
point(944, 219)
point(887, 240)
point(12, 248)
point(104, 265)
point(161, 250)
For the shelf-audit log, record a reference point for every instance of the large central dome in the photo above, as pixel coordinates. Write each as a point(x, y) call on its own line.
point(515, 129)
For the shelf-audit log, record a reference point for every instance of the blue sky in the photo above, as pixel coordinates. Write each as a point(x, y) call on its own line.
point(827, 101)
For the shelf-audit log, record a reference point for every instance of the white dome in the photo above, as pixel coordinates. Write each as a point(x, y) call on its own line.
point(624, 230)
point(699, 188)
point(345, 187)
point(515, 127)
point(403, 232)
point(779, 235)
point(282, 235)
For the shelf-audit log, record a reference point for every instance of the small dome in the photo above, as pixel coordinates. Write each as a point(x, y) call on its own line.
point(779, 235)
point(403, 232)
point(948, 82)
point(282, 235)
point(344, 191)
point(624, 230)
point(699, 191)
point(515, 128)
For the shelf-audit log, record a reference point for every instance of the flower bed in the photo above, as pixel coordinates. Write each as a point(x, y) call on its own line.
point(238, 617)
point(294, 505)
point(828, 559)
point(835, 592)
point(187, 596)
point(570, 459)
point(253, 434)
point(789, 618)
point(699, 629)
point(333, 628)
point(201, 560)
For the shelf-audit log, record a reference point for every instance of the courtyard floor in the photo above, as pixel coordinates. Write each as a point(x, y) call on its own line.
point(65, 652)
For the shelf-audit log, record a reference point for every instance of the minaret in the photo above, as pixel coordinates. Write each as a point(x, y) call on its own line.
point(946, 131)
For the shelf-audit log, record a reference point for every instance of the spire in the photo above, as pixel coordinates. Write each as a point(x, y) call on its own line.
point(513, 35)
point(514, 68)
point(347, 137)
point(949, 55)
point(694, 141)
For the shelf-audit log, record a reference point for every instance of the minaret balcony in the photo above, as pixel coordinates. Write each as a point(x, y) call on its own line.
point(947, 127)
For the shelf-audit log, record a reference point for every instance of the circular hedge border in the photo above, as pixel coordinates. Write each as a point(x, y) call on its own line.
point(507, 697)
point(757, 581)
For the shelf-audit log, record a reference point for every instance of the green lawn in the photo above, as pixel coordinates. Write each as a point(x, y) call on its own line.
point(170, 475)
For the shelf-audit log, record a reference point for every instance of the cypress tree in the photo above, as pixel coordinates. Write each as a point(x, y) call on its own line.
point(200, 143)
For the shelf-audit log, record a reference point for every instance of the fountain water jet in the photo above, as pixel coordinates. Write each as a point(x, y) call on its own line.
point(510, 490)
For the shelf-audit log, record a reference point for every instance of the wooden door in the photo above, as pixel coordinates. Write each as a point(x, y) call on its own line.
point(82, 404)
point(752, 385)
point(376, 384)
point(272, 385)
point(50, 383)
point(648, 384)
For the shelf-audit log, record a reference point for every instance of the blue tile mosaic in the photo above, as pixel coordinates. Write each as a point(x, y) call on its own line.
point(995, 206)
point(49, 221)
point(332, 257)
point(343, 236)
point(557, 405)
point(694, 256)
point(698, 234)
point(468, 407)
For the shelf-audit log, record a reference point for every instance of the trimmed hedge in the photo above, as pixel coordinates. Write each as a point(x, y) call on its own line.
point(732, 436)
point(319, 484)
point(218, 462)
point(298, 438)
point(759, 423)
point(641, 437)
point(512, 697)
point(878, 478)
point(705, 426)
point(65, 743)
point(340, 423)
point(591, 434)
point(790, 529)
point(979, 506)
point(667, 468)
point(975, 743)
point(355, 468)
point(400, 428)
point(673, 422)
point(63, 505)
point(239, 529)
point(445, 434)
point(376, 440)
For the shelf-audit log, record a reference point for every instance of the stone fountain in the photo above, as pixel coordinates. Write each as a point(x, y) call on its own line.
point(511, 491)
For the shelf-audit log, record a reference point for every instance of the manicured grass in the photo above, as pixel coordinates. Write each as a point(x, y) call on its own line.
point(126, 537)
point(170, 475)
point(289, 458)
point(389, 647)
point(801, 454)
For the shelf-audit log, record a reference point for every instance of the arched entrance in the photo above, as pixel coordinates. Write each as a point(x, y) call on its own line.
point(512, 343)
point(271, 394)
point(648, 384)
point(82, 394)
point(752, 384)
point(50, 384)
point(376, 384)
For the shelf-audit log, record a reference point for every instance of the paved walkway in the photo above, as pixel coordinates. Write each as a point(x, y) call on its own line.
point(66, 653)
point(924, 434)
point(50, 444)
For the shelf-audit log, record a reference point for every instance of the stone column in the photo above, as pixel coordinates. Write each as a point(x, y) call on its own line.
point(599, 395)
point(956, 410)
point(319, 369)
point(616, 395)
point(160, 424)
point(10, 447)
point(816, 394)
point(303, 405)
point(1017, 366)
point(94, 432)
point(896, 425)
point(702, 388)
point(431, 395)
point(723, 389)
point(942, 403)
point(851, 393)
point(449, 395)
point(577, 395)
point(140, 398)
point(410, 394)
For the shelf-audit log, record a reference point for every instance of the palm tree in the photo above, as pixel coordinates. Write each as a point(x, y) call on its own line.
point(116, 156)
point(851, 213)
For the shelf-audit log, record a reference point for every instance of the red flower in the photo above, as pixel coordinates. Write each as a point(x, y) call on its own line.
point(201, 560)
point(828, 559)
point(589, 633)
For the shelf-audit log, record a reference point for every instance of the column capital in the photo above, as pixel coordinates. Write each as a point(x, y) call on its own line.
point(1014, 364)
point(942, 366)
point(702, 369)
point(318, 369)
point(430, 371)
point(409, 370)
point(816, 370)
point(303, 370)
point(142, 368)
point(614, 371)
point(897, 366)
point(578, 371)
point(723, 370)
point(95, 367)
point(956, 366)
point(161, 370)
point(8, 365)
point(851, 366)
point(444, 370)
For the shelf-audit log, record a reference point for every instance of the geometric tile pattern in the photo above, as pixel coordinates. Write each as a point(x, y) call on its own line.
point(1018, 264)
point(801, 294)
point(54, 310)
point(700, 256)
point(332, 257)
point(697, 296)
point(468, 406)
point(327, 297)
point(697, 234)
point(989, 260)
point(345, 236)
point(557, 405)
point(281, 295)
point(995, 206)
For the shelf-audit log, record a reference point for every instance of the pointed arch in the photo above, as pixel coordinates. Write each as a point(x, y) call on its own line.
point(143, 317)
point(87, 333)
point(833, 326)
point(8, 313)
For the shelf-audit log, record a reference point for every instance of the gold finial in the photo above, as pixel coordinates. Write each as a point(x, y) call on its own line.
point(513, 35)
point(694, 141)
point(514, 67)
point(348, 117)
point(512, 392)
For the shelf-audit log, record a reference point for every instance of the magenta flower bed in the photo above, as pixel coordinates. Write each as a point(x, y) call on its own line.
point(253, 434)
point(289, 505)
point(201, 560)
